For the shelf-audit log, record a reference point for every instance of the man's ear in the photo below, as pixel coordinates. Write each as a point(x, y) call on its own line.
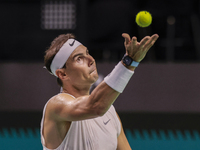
point(61, 74)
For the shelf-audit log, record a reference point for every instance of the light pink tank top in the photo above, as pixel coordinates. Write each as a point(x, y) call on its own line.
point(93, 134)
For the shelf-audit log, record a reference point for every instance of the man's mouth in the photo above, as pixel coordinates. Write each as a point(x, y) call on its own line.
point(92, 71)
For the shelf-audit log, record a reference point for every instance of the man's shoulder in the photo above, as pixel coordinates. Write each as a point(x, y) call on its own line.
point(61, 97)
point(58, 101)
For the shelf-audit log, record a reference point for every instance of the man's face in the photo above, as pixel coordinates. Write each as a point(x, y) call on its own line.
point(81, 67)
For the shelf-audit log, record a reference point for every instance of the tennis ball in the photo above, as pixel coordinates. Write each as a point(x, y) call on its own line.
point(143, 19)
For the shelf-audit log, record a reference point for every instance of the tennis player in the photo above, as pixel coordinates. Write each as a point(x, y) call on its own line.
point(75, 119)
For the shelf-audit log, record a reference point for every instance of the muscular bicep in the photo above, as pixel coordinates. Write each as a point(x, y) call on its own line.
point(85, 107)
point(67, 108)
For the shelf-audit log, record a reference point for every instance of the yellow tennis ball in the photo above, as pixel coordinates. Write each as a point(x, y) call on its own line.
point(143, 19)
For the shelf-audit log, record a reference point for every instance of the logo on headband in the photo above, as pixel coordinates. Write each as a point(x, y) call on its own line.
point(72, 43)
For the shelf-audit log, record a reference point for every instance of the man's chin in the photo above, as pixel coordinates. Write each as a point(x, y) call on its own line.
point(95, 77)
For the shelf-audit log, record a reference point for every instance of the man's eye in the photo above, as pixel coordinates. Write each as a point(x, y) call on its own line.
point(79, 59)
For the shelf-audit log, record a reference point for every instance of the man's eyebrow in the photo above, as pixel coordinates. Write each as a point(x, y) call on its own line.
point(79, 54)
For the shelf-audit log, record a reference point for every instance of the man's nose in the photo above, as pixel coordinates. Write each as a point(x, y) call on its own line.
point(90, 60)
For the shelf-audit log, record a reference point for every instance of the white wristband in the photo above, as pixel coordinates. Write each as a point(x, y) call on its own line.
point(119, 77)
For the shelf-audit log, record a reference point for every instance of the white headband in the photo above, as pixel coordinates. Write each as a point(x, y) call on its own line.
point(63, 54)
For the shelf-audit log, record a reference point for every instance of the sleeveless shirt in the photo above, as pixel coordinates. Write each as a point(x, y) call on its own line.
point(92, 134)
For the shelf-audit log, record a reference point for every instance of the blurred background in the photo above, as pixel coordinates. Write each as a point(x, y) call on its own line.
point(160, 107)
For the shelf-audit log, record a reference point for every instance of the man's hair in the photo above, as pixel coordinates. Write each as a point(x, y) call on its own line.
point(50, 53)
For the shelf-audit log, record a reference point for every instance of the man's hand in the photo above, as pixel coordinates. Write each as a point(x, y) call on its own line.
point(137, 50)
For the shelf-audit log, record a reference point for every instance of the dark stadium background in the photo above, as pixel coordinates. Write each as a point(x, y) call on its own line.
point(160, 107)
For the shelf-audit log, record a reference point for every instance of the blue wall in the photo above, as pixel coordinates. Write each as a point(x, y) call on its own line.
point(20, 139)
point(29, 139)
point(161, 140)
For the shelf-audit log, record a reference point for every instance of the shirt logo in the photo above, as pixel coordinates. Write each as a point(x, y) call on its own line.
point(106, 122)
point(71, 44)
